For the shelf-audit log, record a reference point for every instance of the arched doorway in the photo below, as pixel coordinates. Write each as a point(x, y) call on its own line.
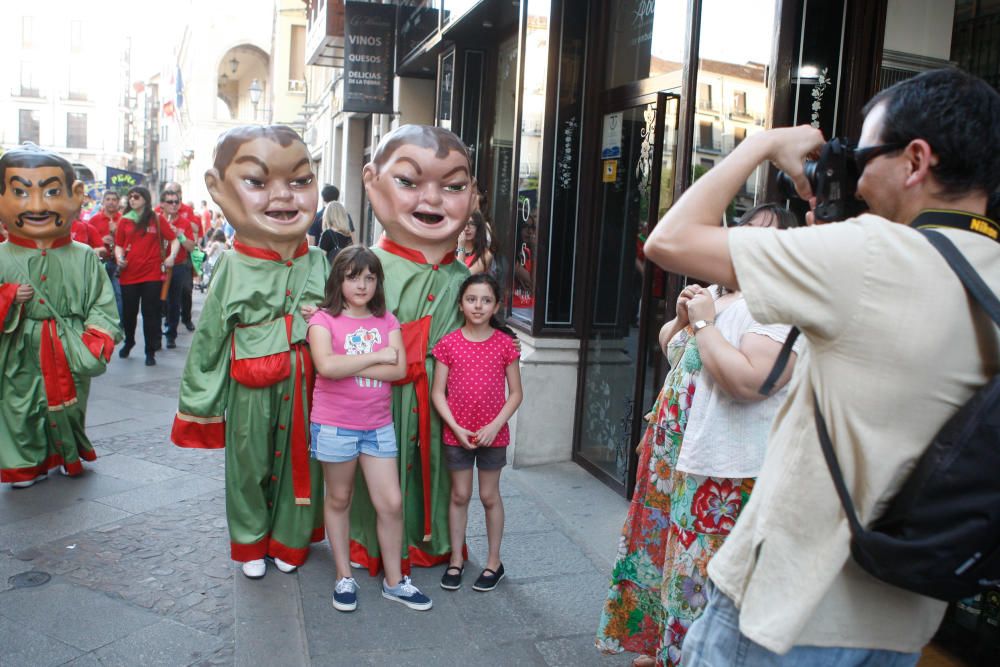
point(242, 85)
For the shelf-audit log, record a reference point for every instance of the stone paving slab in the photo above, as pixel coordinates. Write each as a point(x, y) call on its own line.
point(165, 644)
point(81, 618)
point(56, 493)
point(166, 492)
point(267, 612)
point(578, 651)
point(127, 467)
point(532, 555)
point(22, 646)
point(45, 527)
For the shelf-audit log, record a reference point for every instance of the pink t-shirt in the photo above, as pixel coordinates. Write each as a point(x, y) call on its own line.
point(353, 402)
point(477, 381)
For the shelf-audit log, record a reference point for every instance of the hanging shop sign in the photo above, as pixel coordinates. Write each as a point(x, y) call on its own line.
point(121, 180)
point(369, 48)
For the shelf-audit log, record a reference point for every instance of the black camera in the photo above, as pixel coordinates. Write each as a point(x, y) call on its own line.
point(834, 181)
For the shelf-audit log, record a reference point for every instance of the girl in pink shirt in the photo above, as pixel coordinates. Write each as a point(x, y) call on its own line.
point(358, 352)
point(477, 388)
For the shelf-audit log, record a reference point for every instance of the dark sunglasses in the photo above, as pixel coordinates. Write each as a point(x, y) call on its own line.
point(171, 201)
point(862, 156)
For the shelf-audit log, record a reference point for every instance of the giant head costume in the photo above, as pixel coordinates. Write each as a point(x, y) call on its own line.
point(421, 188)
point(263, 181)
point(39, 194)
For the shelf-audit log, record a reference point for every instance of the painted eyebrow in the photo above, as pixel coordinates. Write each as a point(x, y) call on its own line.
point(413, 162)
point(455, 171)
point(256, 160)
point(51, 179)
point(303, 161)
point(23, 181)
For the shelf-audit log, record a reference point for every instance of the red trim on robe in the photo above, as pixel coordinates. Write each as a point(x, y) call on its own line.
point(8, 475)
point(416, 335)
point(268, 546)
point(299, 442)
point(99, 343)
point(8, 291)
point(264, 253)
point(30, 243)
point(198, 435)
point(60, 389)
point(387, 244)
point(416, 558)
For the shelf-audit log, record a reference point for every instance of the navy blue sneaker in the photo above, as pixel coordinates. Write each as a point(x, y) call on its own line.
point(345, 595)
point(406, 593)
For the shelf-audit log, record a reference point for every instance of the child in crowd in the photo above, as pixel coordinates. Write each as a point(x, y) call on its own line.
point(358, 352)
point(472, 364)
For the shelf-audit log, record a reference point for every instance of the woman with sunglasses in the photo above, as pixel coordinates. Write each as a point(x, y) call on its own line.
point(142, 260)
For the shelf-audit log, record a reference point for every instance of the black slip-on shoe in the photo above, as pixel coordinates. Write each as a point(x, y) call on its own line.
point(451, 580)
point(489, 579)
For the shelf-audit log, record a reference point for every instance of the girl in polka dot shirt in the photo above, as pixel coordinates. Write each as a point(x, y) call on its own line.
point(477, 388)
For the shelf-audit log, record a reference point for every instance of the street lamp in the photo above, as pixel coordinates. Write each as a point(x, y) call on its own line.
point(255, 91)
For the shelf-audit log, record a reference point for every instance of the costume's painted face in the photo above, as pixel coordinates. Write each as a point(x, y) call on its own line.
point(419, 198)
point(38, 203)
point(269, 191)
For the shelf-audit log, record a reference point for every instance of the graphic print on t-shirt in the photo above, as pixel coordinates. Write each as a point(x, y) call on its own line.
point(361, 341)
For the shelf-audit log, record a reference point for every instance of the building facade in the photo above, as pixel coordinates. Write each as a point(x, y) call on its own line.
point(585, 120)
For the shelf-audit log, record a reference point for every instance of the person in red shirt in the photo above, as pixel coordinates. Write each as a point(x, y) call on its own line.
point(141, 258)
point(103, 224)
point(80, 232)
point(181, 282)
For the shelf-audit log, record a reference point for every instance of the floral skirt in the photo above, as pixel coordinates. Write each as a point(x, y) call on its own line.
point(703, 511)
point(676, 523)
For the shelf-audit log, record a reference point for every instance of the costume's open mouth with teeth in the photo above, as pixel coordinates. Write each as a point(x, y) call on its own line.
point(428, 218)
point(284, 216)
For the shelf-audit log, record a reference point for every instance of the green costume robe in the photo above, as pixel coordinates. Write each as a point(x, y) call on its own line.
point(423, 296)
point(47, 360)
point(246, 386)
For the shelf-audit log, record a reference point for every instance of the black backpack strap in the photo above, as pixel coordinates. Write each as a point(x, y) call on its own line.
point(831, 462)
point(973, 282)
point(780, 362)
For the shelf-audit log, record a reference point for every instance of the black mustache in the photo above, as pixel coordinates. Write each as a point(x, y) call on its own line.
point(59, 220)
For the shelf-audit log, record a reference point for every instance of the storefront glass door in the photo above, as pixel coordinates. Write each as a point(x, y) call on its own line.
point(622, 366)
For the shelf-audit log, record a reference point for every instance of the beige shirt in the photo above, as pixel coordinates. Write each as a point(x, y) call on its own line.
point(894, 349)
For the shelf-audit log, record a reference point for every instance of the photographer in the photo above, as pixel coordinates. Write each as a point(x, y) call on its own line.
point(895, 348)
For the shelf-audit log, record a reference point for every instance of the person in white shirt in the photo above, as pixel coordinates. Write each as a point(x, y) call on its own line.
point(895, 347)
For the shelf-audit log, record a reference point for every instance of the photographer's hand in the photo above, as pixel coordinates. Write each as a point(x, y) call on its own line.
point(690, 239)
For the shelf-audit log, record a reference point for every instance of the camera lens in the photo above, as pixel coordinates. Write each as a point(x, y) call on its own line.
point(786, 186)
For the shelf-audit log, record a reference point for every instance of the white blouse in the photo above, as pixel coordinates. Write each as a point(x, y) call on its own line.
point(726, 437)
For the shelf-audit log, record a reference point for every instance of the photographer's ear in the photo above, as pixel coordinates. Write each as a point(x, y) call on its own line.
point(920, 159)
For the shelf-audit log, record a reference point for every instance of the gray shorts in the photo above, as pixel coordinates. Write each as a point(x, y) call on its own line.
point(484, 458)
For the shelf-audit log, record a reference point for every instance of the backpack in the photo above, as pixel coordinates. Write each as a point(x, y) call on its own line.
point(940, 535)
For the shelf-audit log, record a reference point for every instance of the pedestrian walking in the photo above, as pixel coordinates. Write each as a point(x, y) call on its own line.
point(477, 389)
point(357, 349)
point(142, 261)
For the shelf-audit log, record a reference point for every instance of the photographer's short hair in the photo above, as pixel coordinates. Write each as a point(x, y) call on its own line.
point(957, 114)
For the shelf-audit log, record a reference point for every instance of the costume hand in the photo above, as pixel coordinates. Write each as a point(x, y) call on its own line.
point(169, 262)
point(487, 434)
point(308, 310)
point(790, 147)
point(24, 293)
point(388, 355)
point(701, 307)
point(122, 263)
point(517, 344)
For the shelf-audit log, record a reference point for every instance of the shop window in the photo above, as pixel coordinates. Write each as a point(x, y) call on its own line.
point(297, 60)
point(76, 130)
point(645, 40)
point(472, 103)
point(446, 89)
point(416, 20)
point(29, 129)
point(738, 65)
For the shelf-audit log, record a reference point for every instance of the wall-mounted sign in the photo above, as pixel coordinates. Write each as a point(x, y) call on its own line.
point(611, 137)
point(369, 48)
point(121, 180)
point(609, 173)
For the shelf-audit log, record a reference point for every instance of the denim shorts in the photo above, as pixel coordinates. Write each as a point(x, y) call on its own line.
point(335, 444)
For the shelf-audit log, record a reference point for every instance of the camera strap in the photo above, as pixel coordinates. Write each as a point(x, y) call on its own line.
point(978, 224)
